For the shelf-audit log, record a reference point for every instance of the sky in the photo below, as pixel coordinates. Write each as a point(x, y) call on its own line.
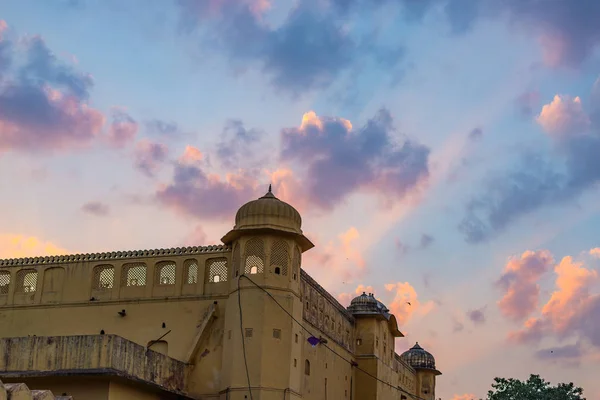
point(442, 153)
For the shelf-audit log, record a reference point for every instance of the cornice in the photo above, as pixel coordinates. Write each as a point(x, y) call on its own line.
point(114, 255)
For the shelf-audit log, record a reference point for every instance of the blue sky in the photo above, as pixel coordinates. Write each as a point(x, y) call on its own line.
point(440, 152)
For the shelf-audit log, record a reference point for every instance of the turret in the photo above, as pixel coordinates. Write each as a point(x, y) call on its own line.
point(424, 363)
point(267, 243)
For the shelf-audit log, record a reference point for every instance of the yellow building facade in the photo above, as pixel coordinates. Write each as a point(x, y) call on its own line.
point(241, 320)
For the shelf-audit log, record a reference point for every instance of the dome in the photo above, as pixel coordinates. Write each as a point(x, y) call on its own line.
point(418, 358)
point(268, 214)
point(364, 304)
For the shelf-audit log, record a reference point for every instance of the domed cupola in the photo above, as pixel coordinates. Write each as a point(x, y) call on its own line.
point(366, 305)
point(418, 358)
point(268, 214)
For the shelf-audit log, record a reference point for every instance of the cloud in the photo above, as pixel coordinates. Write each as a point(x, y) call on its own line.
point(403, 294)
point(346, 298)
point(196, 238)
point(519, 283)
point(564, 116)
point(149, 156)
point(160, 128)
point(476, 134)
point(572, 168)
point(457, 326)
point(96, 208)
point(336, 160)
point(17, 246)
point(466, 396)
point(426, 240)
point(197, 193)
point(308, 50)
point(477, 316)
point(43, 102)
point(573, 309)
point(527, 102)
point(568, 354)
point(237, 143)
point(122, 130)
point(595, 252)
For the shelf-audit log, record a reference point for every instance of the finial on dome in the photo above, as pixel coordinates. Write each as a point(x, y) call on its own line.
point(270, 188)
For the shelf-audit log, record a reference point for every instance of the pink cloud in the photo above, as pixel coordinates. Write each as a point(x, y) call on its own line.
point(595, 252)
point(466, 396)
point(96, 208)
point(346, 298)
point(122, 129)
point(149, 156)
point(564, 116)
point(573, 309)
point(519, 283)
point(17, 246)
point(194, 192)
point(405, 302)
point(196, 238)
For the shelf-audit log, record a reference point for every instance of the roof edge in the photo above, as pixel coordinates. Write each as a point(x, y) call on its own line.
point(113, 255)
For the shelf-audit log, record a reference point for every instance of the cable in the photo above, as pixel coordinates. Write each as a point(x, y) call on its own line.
point(353, 364)
point(243, 339)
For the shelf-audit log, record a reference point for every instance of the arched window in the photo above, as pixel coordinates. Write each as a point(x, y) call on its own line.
point(104, 277)
point(254, 257)
point(27, 281)
point(164, 274)
point(4, 282)
point(217, 270)
point(307, 367)
point(296, 263)
point(134, 274)
point(190, 268)
point(280, 257)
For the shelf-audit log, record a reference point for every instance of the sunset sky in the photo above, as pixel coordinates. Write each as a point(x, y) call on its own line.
point(441, 152)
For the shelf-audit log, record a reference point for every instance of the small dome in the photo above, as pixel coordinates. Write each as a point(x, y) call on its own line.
point(268, 214)
point(417, 357)
point(366, 304)
point(268, 211)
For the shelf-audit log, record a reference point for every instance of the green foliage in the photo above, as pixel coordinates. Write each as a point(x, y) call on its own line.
point(535, 388)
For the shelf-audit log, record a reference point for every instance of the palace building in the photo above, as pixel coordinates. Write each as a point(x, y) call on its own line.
point(240, 320)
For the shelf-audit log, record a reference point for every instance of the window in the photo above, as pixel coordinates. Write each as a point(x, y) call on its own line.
point(4, 282)
point(27, 281)
point(254, 257)
point(296, 262)
point(307, 367)
point(235, 271)
point(164, 273)
point(296, 338)
point(249, 332)
point(295, 362)
point(358, 342)
point(277, 333)
point(134, 274)
point(104, 277)
point(217, 270)
point(280, 257)
point(190, 268)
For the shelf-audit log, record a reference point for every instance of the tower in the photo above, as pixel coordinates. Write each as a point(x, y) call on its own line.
point(424, 363)
point(261, 345)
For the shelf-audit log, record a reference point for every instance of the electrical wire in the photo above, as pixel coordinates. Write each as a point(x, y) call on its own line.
point(353, 364)
point(243, 339)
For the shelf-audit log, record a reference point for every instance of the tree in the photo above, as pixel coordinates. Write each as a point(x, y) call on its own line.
point(535, 388)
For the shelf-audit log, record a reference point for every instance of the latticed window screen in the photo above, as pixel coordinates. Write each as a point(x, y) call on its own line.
point(4, 282)
point(296, 262)
point(217, 270)
point(134, 274)
point(104, 277)
point(280, 257)
point(190, 267)
point(27, 281)
point(254, 257)
point(235, 270)
point(165, 273)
